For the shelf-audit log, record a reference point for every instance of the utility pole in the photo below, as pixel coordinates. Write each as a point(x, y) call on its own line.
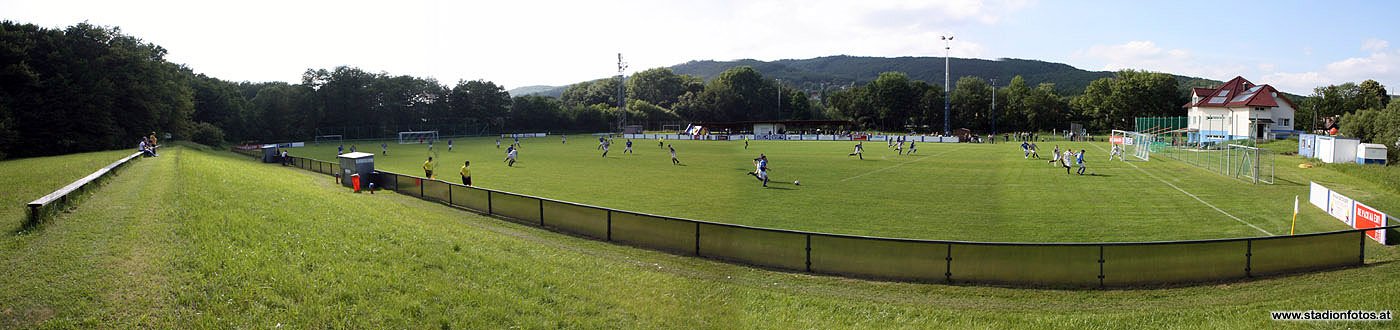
point(947, 92)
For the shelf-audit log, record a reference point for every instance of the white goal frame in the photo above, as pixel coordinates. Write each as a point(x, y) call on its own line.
point(413, 137)
point(332, 137)
point(1137, 144)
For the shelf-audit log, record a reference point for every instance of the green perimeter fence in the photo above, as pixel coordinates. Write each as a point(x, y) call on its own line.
point(1016, 264)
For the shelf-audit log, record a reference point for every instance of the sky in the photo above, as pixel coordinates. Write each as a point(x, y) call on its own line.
point(1292, 45)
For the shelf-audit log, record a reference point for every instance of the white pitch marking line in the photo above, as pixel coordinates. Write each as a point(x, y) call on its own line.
point(898, 165)
point(1198, 199)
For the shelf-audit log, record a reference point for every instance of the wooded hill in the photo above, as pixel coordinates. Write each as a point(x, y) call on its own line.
point(844, 71)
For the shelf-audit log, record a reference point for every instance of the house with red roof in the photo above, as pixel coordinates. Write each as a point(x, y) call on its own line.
point(1239, 109)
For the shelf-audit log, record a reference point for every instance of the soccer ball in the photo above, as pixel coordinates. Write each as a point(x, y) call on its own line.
point(795, 182)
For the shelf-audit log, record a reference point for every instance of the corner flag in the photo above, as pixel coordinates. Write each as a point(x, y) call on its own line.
point(1295, 215)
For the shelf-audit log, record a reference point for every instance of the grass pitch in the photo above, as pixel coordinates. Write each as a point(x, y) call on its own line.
point(200, 239)
point(975, 192)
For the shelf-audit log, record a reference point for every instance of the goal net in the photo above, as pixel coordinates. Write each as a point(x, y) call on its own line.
point(1137, 144)
point(1249, 164)
point(417, 137)
point(327, 138)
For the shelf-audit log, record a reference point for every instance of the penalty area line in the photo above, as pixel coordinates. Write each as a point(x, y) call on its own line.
point(1193, 196)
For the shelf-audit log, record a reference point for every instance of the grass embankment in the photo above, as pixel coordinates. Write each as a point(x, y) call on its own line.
point(213, 240)
point(978, 192)
point(27, 179)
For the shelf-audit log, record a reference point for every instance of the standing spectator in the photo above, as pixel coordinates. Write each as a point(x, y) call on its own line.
point(428, 168)
point(466, 173)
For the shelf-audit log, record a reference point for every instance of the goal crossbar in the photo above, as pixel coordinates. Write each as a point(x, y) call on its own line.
point(415, 137)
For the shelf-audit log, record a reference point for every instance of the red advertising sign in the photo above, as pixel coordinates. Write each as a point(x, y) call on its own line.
point(1116, 140)
point(1367, 217)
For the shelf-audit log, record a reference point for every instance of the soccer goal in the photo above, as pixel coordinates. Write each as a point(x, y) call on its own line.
point(1249, 164)
point(1137, 144)
point(416, 137)
point(328, 138)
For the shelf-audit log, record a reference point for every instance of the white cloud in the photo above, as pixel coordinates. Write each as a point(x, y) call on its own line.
point(1147, 55)
point(524, 42)
point(1381, 66)
point(1374, 45)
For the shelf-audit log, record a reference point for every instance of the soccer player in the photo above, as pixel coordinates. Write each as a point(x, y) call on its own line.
point(1055, 155)
point(1065, 159)
point(1035, 151)
point(762, 172)
point(912, 150)
point(889, 142)
point(449, 145)
point(899, 146)
point(1116, 151)
point(859, 148)
point(1080, 160)
point(352, 148)
point(1025, 150)
point(511, 153)
point(601, 141)
point(384, 149)
point(340, 149)
point(563, 139)
point(605, 145)
point(746, 143)
point(498, 143)
point(674, 160)
point(466, 172)
point(659, 142)
point(629, 147)
point(428, 168)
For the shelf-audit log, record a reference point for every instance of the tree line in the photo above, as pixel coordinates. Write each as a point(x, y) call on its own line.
point(89, 87)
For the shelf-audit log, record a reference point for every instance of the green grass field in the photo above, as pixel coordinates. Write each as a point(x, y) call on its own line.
point(977, 192)
point(200, 239)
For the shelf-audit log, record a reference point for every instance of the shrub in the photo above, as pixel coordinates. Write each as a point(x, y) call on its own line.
point(207, 134)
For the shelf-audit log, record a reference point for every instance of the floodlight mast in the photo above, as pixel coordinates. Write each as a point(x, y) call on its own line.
point(621, 94)
point(947, 92)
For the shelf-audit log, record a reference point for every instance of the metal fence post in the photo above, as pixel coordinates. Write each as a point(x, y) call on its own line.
point(697, 238)
point(1248, 258)
point(610, 225)
point(948, 265)
point(489, 209)
point(541, 212)
point(809, 253)
point(1100, 265)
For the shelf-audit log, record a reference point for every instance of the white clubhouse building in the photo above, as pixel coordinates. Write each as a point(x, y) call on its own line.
point(1239, 109)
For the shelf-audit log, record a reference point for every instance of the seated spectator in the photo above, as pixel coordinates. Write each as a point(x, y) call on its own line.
point(145, 149)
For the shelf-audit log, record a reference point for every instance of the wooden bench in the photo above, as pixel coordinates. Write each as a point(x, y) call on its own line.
point(41, 208)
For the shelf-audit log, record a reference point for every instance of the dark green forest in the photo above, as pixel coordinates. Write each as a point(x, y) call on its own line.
point(87, 87)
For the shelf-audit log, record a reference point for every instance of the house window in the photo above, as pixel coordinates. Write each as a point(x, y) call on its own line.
point(1286, 122)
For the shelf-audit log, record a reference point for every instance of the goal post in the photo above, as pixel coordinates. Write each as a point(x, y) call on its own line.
point(327, 138)
point(416, 137)
point(1135, 143)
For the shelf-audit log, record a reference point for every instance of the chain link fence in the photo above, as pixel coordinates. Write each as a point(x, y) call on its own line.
point(1241, 162)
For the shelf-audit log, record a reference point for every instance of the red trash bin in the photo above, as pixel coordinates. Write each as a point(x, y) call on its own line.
point(355, 181)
